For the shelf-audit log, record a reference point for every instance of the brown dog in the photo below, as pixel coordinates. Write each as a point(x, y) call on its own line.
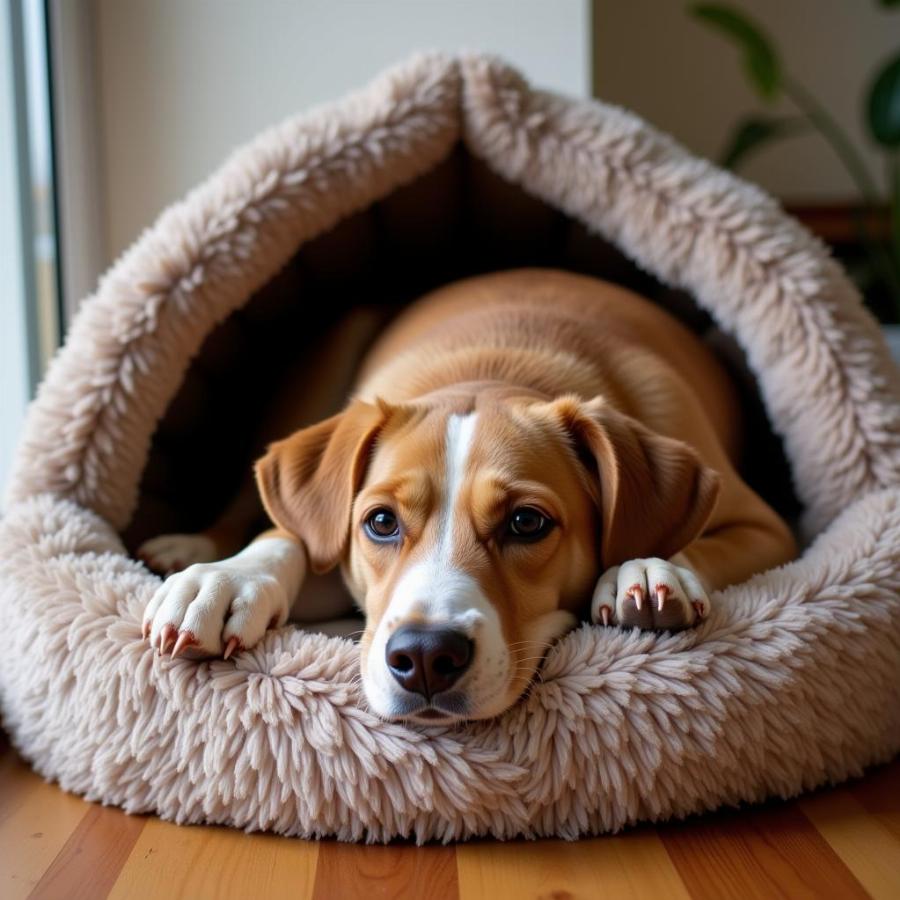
point(522, 447)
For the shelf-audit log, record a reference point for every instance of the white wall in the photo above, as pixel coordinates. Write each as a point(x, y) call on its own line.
point(182, 82)
point(651, 57)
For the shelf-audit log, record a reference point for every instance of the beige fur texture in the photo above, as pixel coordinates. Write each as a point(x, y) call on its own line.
point(793, 681)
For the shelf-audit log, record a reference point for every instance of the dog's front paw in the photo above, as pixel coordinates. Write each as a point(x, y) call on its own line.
point(214, 608)
point(649, 593)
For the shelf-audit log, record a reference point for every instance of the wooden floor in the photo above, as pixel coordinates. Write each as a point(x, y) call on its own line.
point(842, 843)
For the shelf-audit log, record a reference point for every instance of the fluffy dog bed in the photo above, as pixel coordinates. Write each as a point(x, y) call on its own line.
point(442, 167)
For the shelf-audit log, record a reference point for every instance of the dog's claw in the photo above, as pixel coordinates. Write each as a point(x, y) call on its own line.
point(145, 629)
point(605, 614)
point(230, 647)
point(185, 639)
point(662, 594)
point(637, 592)
point(165, 637)
point(699, 608)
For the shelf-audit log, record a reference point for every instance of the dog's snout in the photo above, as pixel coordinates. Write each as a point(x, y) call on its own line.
point(427, 660)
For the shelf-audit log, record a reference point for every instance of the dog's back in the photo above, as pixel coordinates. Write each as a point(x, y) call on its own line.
point(559, 333)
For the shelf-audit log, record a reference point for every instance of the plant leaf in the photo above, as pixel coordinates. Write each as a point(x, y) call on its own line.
point(888, 3)
point(884, 105)
point(760, 59)
point(751, 133)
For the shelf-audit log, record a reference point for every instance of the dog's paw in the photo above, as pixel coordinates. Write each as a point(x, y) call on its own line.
point(173, 552)
point(213, 609)
point(650, 594)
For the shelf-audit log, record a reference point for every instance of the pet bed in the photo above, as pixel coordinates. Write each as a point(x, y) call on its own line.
point(442, 167)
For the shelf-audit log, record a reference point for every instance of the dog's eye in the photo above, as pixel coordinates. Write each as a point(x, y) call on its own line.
point(529, 524)
point(382, 525)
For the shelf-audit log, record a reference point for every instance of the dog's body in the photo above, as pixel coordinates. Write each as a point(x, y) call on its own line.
point(521, 446)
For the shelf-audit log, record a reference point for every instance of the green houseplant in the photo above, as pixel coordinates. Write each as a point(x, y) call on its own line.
point(878, 273)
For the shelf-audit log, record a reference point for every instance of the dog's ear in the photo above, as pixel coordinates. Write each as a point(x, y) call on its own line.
point(308, 481)
point(656, 495)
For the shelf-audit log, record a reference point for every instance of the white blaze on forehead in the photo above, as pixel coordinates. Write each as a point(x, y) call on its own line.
point(444, 594)
point(432, 586)
point(458, 444)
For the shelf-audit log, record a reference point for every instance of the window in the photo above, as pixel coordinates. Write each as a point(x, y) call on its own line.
point(29, 309)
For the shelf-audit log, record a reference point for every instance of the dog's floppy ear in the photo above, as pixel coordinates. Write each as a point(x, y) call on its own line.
point(655, 493)
point(308, 481)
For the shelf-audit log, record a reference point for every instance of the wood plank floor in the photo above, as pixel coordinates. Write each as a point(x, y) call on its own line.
point(841, 843)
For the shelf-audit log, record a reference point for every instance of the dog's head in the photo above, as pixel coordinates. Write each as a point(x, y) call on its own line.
point(471, 533)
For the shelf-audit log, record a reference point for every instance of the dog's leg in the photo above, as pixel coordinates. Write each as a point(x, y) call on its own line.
point(733, 553)
point(170, 553)
point(673, 594)
point(220, 607)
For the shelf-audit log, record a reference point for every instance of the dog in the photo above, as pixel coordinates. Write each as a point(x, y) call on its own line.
point(523, 449)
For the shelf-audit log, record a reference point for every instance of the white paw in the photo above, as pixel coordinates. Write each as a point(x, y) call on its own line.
point(650, 594)
point(174, 552)
point(215, 608)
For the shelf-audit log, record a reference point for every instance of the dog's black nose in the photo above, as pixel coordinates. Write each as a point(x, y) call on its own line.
point(427, 660)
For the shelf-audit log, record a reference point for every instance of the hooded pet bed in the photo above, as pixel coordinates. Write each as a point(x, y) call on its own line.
point(442, 167)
